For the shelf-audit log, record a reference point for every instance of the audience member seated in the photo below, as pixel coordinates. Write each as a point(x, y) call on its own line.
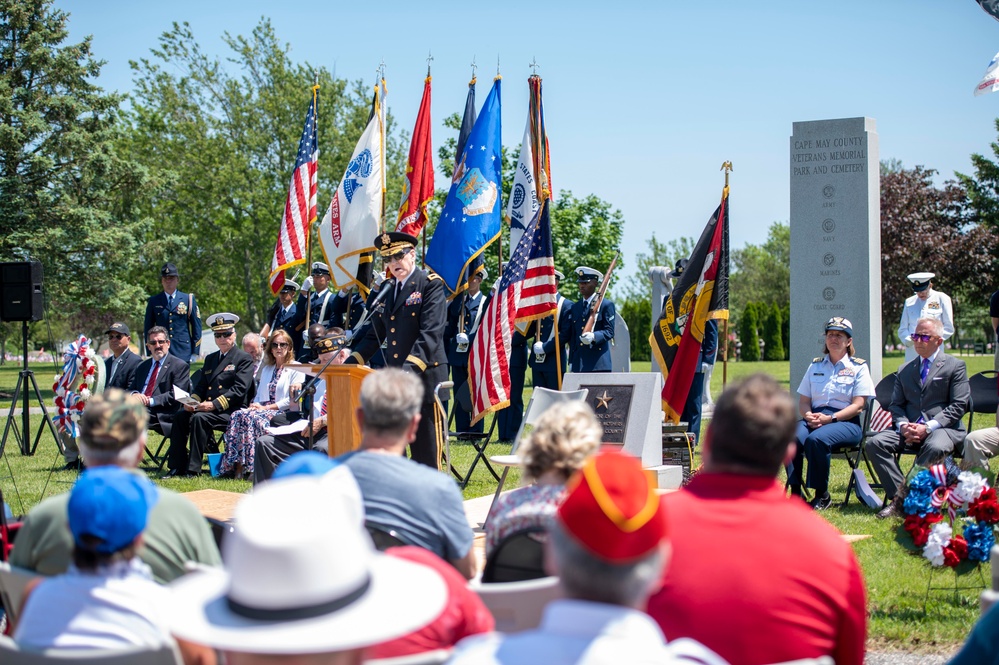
point(982, 647)
point(223, 388)
point(421, 504)
point(608, 546)
point(113, 433)
point(271, 449)
point(831, 396)
point(780, 580)
point(303, 583)
point(464, 614)
point(980, 446)
point(155, 378)
point(564, 437)
point(251, 343)
point(273, 395)
point(107, 599)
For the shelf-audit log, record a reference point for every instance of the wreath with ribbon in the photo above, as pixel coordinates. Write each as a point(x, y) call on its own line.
point(82, 376)
point(952, 522)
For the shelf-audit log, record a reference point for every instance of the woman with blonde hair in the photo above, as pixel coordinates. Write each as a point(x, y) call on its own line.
point(565, 436)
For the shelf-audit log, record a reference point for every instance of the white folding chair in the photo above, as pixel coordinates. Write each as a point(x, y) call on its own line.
point(13, 581)
point(11, 654)
point(542, 399)
point(518, 606)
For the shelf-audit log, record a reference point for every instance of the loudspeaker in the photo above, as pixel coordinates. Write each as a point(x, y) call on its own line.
point(21, 291)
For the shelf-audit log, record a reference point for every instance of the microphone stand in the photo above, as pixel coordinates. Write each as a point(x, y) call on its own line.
point(310, 389)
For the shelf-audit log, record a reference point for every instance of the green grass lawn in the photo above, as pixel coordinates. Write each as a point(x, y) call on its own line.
point(903, 614)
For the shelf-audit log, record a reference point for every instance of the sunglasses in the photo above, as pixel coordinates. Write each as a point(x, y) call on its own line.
point(923, 338)
point(157, 342)
point(398, 256)
point(115, 336)
point(223, 334)
point(280, 345)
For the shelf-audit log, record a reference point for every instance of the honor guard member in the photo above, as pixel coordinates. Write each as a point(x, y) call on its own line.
point(222, 388)
point(320, 304)
point(407, 323)
point(348, 308)
point(288, 316)
point(178, 313)
point(464, 315)
point(925, 304)
point(591, 351)
point(542, 360)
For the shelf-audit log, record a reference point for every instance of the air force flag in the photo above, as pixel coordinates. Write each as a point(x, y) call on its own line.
point(471, 218)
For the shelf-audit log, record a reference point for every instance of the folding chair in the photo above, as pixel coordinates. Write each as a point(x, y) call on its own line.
point(158, 459)
point(882, 396)
point(479, 440)
point(13, 582)
point(542, 399)
point(518, 557)
point(984, 395)
point(518, 606)
point(384, 537)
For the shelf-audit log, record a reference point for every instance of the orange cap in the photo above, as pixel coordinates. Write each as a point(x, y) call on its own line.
point(611, 508)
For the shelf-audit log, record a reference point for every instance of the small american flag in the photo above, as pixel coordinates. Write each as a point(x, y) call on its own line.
point(300, 207)
point(526, 292)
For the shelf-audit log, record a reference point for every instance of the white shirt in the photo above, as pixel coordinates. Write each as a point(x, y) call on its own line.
point(835, 386)
point(936, 306)
point(577, 632)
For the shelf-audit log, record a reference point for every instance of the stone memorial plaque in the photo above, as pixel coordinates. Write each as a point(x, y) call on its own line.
point(612, 405)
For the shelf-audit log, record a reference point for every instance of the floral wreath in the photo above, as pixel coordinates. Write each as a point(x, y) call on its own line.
point(81, 370)
point(932, 506)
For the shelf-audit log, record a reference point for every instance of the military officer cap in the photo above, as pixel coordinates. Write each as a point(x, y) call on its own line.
point(681, 265)
point(841, 324)
point(320, 268)
point(559, 276)
point(119, 328)
point(290, 285)
point(920, 280)
point(481, 272)
point(584, 274)
point(169, 270)
point(223, 322)
point(393, 243)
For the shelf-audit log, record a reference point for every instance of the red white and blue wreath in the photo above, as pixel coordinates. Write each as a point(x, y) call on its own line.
point(82, 375)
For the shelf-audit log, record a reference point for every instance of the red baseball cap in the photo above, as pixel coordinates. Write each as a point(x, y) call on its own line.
point(611, 508)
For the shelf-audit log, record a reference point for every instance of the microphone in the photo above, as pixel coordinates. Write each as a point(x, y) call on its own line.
point(387, 286)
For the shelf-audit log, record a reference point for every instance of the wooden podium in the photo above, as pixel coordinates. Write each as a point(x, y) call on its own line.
point(343, 398)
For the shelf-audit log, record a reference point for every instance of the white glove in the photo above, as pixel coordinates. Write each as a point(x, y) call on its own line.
point(348, 335)
point(539, 348)
point(461, 338)
point(307, 284)
point(704, 368)
point(586, 338)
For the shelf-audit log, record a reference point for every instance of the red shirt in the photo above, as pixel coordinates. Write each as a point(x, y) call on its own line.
point(758, 578)
point(464, 613)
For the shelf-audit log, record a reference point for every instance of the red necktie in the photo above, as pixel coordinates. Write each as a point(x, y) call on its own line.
point(151, 383)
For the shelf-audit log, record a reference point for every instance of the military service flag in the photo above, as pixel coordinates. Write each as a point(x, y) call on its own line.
point(532, 179)
point(418, 187)
point(700, 294)
point(300, 206)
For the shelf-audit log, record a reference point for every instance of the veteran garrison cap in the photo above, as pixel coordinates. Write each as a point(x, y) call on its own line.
point(169, 270)
point(584, 274)
point(920, 280)
point(112, 420)
point(320, 268)
point(681, 265)
point(612, 510)
point(329, 344)
point(222, 322)
point(290, 285)
point(393, 242)
point(119, 328)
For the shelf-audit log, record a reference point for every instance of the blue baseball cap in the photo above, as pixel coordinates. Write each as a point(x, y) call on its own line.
point(112, 505)
point(305, 463)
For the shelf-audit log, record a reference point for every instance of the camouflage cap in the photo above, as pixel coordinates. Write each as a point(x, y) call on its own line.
point(112, 420)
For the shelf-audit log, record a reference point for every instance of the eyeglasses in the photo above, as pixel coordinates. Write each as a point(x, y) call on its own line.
point(222, 334)
point(115, 336)
point(157, 342)
point(398, 256)
point(923, 338)
point(280, 345)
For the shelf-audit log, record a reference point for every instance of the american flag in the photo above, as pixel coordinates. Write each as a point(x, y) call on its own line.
point(526, 292)
point(300, 207)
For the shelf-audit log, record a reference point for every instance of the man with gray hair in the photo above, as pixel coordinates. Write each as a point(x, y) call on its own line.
point(422, 505)
point(252, 344)
point(113, 433)
point(931, 394)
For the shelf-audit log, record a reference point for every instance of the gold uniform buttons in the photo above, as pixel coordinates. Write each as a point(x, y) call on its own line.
point(392, 330)
point(396, 355)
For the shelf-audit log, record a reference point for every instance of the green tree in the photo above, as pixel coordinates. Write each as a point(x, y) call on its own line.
point(585, 232)
point(637, 313)
point(658, 254)
point(748, 334)
point(221, 135)
point(67, 188)
point(773, 346)
point(762, 272)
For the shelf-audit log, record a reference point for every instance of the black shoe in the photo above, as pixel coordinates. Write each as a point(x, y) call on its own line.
point(173, 473)
point(75, 465)
point(893, 509)
point(821, 502)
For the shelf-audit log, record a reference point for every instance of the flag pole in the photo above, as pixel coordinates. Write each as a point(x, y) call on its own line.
point(308, 236)
point(727, 168)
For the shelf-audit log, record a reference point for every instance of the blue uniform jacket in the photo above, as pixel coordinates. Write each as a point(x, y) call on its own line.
point(597, 356)
point(182, 321)
point(548, 340)
point(473, 310)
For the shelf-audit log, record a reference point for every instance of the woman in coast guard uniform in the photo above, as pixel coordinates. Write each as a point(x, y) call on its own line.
point(831, 396)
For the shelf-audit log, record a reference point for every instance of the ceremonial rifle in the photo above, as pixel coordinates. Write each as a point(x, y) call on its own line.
point(599, 299)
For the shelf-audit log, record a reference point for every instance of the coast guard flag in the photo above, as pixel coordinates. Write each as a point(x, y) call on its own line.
point(527, 190)
point(471, 217)
point(418, 186)
point(989, 82)
point(526, 292)
point(701, 293)
point(300, 206)
point(352, 221)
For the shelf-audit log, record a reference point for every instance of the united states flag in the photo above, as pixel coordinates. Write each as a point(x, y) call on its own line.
point(526, 292)
point(300, 207)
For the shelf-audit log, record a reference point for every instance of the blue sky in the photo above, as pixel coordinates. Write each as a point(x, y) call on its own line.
point(642, 105)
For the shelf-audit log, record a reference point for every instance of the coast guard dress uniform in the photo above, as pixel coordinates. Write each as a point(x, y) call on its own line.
point(290, 319)
point(178, 313)
point(591, 353)
point(925, 304)
point(464, 315)
point(542, 360)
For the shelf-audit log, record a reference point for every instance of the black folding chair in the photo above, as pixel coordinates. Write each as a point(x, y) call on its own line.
point(882, 396)
point(518, 557)
point(478, 440)
point(384, 537)
point(984, 395)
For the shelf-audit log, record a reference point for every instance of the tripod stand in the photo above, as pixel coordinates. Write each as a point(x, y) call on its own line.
point(21, 390)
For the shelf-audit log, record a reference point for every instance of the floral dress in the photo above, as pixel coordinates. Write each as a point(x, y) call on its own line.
point(523, 508)
point(246, 425)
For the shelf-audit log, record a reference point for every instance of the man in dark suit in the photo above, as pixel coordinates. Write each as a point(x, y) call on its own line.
point(544, 372)
point(155, 378)
point(178, 313)
point(121, 365)
point(222, 389)
point(591, 351)
point(408, 322)
point(464, 315)
point(288, 316)
point(931, 394)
